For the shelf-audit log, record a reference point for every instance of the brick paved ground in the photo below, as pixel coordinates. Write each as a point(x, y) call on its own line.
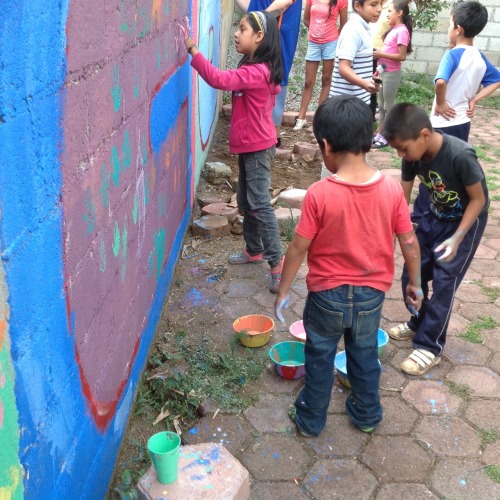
point(432, 442)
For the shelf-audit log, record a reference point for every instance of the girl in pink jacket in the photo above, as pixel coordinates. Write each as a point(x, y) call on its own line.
point(254, 85)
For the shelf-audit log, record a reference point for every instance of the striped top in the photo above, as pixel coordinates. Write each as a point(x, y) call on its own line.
point(354, 44)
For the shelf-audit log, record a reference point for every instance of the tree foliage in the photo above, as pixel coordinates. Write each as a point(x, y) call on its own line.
point(425, 12)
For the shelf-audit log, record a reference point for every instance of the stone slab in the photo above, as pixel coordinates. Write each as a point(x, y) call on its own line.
point(396, 491)
point(269, 413)
point(210, 226)
point(395, 457)
point(481, 414)
point(292, 198)
point(482, 381)
point(430, 397)
point(399, 418)
point(205, 471)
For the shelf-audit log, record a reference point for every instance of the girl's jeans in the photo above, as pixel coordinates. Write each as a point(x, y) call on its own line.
point(260, 226)
point(354, 312)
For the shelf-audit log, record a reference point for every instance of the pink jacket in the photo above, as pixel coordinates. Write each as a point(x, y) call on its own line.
point(252, 128)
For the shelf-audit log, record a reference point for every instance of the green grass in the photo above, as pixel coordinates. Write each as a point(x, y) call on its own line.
point(460, 390)
point(495, 197)
point(487, 436)
point(492, 293)
point(214, 375)
point(416, 88)
point(473, 333)
point(493, 472)
point(492, 102)
point(491, 182)
point(289, 225)
point(482, 153)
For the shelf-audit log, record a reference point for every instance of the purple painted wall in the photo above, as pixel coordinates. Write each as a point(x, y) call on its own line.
point(104, 130)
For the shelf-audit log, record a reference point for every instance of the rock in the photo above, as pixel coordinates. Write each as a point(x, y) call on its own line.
point(292, 198)
point(210, 226)
point(217, 172)
point(220, 209)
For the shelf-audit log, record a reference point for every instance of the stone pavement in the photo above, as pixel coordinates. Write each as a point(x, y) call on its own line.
point(440, 432)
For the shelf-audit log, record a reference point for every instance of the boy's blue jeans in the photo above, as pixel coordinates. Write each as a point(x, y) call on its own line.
point(354, 312)
point(260, 226)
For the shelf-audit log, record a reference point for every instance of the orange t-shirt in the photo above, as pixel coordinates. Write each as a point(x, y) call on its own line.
point(351, 227)
point(323, 29)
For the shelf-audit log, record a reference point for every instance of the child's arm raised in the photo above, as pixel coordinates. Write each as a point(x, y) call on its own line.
point(293, 259)
point(477, 200)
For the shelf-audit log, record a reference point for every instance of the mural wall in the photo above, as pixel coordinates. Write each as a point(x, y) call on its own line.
point(104, 130)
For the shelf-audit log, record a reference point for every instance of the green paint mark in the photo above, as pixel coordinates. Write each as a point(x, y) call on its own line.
point(145, 14)
point(136, 78)
point(150, 264)
point(105, 186)
point(144, 151)
point(124, 249)
point(123, 26)
point(103, 263)
point(126, 151)
point(146, 189)
point(116, 91)
point(11, 475)
point(115, 167)
point(116, 241)
point(158, 58)
point(159, 246)
point(89, 217)
point(136, 207)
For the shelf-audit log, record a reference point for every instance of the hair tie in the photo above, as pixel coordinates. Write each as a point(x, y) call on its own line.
point(261, 20)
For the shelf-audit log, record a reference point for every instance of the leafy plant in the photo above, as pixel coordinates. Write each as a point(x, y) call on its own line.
point(416, 88)
point(425, 13)
point(491, 292)
point(125, 488)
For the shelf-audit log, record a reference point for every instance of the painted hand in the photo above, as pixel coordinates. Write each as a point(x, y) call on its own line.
point(450, 247)
point(414, 298)
point(279, 304)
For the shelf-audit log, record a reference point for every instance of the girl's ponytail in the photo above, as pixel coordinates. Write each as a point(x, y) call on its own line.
point(269, 50)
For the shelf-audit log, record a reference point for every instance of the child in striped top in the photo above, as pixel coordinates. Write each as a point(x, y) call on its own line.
point(354, 59)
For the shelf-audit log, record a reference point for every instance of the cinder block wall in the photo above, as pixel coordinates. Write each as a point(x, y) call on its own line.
point(103, 133)
point(429, 46)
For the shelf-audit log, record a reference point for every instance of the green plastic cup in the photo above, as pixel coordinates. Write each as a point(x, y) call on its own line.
point(163, 448)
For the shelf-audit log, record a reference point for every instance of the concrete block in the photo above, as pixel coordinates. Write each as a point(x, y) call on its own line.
point(293, 198)
point(310, 116)
point(283, 154)
point(287, 216)
point(217, 172)
point(205, 199)
point(210, 226)
point(206, 470)
point(306, 148)
point(220, 209)
point(289, 118)
point(227, 110)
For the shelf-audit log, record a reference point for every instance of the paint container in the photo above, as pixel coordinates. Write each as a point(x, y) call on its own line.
point(254, 330)
point(298, 331)
point(163, 449)
point(340, 364)
point(289, 359)
point(382, 340)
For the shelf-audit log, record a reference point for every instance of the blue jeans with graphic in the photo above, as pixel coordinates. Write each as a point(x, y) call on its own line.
point(260, 226)
point(353, 312)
